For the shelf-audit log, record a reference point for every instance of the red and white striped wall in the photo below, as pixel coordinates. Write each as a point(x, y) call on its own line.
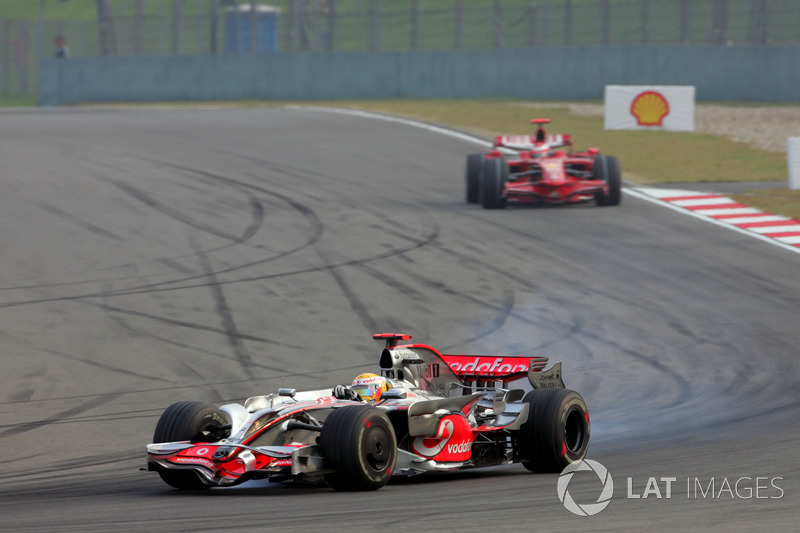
point(725, 211)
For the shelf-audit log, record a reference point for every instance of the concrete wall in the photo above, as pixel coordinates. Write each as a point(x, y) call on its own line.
point(760, 74)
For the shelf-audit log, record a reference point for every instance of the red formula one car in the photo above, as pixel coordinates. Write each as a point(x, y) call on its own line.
point(537, 169)
point(435, 412)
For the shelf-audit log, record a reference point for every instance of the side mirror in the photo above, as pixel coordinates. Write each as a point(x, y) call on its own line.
point(394, 394)
point(287, 392)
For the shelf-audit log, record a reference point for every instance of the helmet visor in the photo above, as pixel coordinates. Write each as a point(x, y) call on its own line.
point(367, 391)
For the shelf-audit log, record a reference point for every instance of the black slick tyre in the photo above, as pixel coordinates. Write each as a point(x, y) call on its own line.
point(473, 177)
point(557, 431)
point(360, 445)
point(192, 421)
point(493, 182)
point(607, 168)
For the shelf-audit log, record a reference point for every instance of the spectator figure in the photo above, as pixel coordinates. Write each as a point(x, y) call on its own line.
point(62, 50)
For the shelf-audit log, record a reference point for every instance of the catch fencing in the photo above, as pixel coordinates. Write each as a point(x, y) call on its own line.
point(212, 27)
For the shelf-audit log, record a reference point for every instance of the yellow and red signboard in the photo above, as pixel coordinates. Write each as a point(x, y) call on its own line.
point(642, 107)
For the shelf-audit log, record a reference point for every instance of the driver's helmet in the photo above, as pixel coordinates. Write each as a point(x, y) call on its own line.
point(370, 386)
point(540, 149)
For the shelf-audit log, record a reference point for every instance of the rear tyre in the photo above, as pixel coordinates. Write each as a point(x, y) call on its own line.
point(192, 421)
point(607, 168)
point(557, 431)
point(473, 177)
point(493, 182)
point(359, 443)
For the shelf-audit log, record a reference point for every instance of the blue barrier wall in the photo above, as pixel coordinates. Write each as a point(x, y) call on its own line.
point(758, 74)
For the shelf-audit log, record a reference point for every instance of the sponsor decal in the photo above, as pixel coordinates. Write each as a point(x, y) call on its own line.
point(404, 353)
point(461, 447)
point(487, 365)
point(431, 371)
point(193, 460)
point(431, 446)
point(368, 381)
point(650, 108)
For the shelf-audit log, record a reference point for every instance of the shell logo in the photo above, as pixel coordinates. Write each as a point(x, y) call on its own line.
point(650, 108)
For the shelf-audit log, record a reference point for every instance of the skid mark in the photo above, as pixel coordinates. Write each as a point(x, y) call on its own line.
point(226, 315)
point(79, 409)
point(82, 223)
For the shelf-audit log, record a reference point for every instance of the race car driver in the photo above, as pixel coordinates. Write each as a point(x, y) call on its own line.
point(365, 387)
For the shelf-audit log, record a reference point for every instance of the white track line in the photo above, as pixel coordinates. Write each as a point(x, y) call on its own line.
point(682, 204)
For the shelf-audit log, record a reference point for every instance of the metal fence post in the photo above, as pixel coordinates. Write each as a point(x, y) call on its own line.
point(759, 22)
point(459, 24)
point(252, 37)
point(532, 23)
point(414, 24)
point(105, 26)
point(375, 19)
point(138, 27)
point(304, 22)
point(685, 21)
point(177, 15)
point(41, 28)
point(568, 22)
point(330, 41)
point(606, 18)
point(5, 51)
point(498, 24)
point(645, 21)
point(718, 29)
point(213, 25)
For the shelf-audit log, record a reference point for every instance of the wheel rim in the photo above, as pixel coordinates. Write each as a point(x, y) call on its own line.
point(377, 448)
point(574, 431)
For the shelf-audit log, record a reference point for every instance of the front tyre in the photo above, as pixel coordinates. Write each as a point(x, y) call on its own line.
point(473, 177)
point(557, 431)
point(360, 445)
point(493, 183)
point(192, 421)
point(607, 168)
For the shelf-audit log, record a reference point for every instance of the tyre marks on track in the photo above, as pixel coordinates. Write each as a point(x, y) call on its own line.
point(226, 315)
point(79, 221)
point(61, 415)
point(257, 211)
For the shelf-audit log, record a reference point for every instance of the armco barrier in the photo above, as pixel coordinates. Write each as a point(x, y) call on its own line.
point(758, 74)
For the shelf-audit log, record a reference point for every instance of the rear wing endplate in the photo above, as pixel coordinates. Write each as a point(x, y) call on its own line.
point(546, 379)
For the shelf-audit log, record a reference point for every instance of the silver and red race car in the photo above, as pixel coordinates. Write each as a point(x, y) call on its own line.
point(440, 413)
point(541, 169)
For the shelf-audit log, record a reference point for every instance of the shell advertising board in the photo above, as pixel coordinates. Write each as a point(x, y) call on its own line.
point(793, 159)
point(649, 107)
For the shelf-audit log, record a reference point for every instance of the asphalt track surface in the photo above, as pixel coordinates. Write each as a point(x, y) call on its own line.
point(154, 256)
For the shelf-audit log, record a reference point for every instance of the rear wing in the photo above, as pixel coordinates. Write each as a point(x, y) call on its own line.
point(493, 367)
point(479, 369)
point(420, 364)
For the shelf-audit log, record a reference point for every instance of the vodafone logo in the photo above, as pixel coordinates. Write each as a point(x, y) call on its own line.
point(431, 446)
point(478, 365)
point(462, 447)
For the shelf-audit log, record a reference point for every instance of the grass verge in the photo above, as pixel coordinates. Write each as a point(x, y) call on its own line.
point(17, 101)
